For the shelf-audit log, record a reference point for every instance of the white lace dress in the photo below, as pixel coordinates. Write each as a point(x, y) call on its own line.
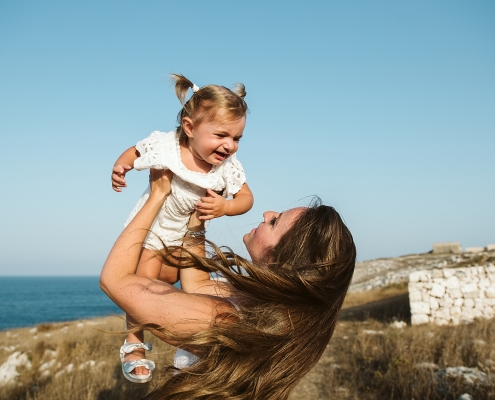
point(161, 151)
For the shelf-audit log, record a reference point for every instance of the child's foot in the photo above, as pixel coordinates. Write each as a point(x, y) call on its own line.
point(135, 367)
point(137, 354)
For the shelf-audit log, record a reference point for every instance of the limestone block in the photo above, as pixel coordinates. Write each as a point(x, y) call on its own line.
point(468, 303)
point(434, 304)
point(417, 319)
point(419, 276)
point(475, 249)
point(455, 311)
point(448, 272)
point(425, 297)
point(488, 313)
point(441, 321)
point(477, 313)
point(479, 305)
point(469, 288)
point(490, 292)
point(436, 273)
point(437, 290)
point(447, 247)
point(446, 302)
point(420, 307)
point(460, 273)
point(490, 302)
point(458, 302)
point(471, 295)
point(415, 295)
point(491, 277)
point(483, 284)
point(439, 281)
point(452, 283)
point(480, 270)
point(456, 320)
point(415, 285)
point(455, 293)
point(467, 314)
point(490, 247)
point(490, 269)
point(443, 313)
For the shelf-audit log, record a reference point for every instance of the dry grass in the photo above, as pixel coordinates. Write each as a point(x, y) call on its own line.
point(359, 298)
point(95, 371)
point(366, 359)
point(375, 360)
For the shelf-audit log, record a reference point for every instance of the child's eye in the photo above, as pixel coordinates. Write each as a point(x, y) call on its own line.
point(273, 220)
point(237, 140)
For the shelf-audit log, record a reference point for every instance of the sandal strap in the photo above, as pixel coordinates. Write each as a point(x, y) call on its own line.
point(130, 365)
point(130, 347)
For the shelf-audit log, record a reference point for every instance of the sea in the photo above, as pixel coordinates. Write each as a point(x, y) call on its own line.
point(28, 301)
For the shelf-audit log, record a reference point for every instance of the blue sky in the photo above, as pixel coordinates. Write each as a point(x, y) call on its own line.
point(384, 109)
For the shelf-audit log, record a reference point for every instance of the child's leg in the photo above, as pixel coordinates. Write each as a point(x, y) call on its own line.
point(152, 267)
point(191, 278)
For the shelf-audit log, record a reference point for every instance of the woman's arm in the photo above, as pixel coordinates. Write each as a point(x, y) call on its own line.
point(148, 300)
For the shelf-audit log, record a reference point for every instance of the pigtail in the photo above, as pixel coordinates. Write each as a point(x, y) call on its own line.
point(240, 90)
point(182, 85)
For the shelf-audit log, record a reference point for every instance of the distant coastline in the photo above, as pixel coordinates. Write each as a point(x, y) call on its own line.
point(30, 300)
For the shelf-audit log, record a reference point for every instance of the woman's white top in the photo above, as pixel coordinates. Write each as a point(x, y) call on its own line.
point(161, 150)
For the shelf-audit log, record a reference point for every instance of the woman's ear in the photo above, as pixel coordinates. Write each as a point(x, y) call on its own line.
point(188, 126)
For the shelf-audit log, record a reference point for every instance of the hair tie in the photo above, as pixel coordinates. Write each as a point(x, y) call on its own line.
point(195, 88)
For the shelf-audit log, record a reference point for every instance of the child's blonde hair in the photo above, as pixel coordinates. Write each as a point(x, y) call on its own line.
point(205, 101)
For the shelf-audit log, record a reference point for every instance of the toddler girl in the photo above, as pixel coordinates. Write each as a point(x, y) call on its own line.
point(206, 173)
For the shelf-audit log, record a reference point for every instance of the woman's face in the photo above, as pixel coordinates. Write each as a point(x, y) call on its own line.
point(269, 232)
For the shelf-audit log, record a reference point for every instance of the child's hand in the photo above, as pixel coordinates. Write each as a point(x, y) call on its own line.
point(213, 206)
point(118, 176)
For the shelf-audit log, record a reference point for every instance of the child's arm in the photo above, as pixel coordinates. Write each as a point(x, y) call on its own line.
point(123, 165)
point(215, 206)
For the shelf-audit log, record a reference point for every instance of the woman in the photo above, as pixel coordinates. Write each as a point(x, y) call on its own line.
point(260, 333)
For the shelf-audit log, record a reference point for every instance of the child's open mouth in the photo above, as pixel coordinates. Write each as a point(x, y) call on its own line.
point(220, 155)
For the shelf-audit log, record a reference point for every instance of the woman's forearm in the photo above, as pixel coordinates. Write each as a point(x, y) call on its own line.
point(124, 256)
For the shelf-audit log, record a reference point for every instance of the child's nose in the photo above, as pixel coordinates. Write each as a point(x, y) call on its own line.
point(228, 145)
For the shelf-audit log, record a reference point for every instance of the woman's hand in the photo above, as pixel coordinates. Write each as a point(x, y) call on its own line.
point(160, 182)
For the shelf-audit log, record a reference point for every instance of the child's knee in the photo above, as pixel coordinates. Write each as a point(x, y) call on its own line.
point(169, 274)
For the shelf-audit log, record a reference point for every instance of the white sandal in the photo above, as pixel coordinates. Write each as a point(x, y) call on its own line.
point(129, 366)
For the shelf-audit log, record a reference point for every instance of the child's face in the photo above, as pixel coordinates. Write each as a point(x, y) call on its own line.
point(214, 141)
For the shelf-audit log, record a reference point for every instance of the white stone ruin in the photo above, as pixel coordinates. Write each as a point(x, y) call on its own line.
point(452, 295)
point(447, 247)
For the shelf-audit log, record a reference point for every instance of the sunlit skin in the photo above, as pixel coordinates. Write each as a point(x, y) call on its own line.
point(269, 232)
point(165, 305)
point(209, 143)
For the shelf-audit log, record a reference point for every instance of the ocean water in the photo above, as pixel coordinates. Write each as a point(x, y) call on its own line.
point(27, 301)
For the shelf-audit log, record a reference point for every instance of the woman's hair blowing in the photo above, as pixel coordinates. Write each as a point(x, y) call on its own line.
point(207, 100)
point(287, 313)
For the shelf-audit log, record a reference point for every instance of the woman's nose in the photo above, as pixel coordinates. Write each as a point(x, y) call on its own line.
point(267, 215)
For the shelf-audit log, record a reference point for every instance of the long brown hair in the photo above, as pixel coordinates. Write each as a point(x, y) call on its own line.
point(287, 312)
point(207, 100)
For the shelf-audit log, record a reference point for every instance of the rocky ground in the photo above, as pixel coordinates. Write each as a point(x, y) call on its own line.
point(382, 272)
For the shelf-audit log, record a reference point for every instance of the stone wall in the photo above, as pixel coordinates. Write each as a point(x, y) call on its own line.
point(452, 295)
